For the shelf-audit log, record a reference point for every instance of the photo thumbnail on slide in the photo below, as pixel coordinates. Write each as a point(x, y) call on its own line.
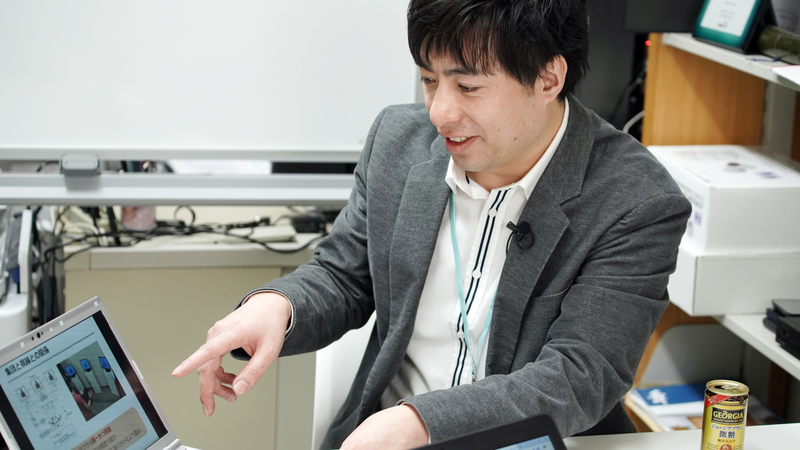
point(91, 380)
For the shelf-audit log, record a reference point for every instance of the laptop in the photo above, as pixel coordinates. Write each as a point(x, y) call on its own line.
point(533, 433)
point(72, 385)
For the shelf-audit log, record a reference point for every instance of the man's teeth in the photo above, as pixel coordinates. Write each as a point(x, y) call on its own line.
point(458, 139)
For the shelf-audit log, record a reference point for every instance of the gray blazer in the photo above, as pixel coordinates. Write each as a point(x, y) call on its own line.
point(572, 315)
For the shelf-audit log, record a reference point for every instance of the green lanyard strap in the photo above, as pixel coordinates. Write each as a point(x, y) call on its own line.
point(475, 353)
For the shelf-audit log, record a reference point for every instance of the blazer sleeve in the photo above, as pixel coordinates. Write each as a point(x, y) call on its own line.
point(593, 348)
point(333, 292)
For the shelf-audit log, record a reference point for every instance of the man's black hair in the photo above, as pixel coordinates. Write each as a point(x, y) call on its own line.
point(518, 36)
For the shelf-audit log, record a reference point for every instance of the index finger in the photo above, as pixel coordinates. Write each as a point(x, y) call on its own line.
point(217, 347)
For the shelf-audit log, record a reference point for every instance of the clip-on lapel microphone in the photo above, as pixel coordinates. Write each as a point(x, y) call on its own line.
point(525, 237)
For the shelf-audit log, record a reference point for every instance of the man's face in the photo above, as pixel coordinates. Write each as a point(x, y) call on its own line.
point(494, 127)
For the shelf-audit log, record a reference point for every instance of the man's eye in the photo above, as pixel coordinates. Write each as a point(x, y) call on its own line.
point(426, 80)
point(467, 88)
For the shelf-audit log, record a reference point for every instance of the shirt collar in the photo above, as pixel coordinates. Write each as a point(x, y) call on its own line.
point(456, 177)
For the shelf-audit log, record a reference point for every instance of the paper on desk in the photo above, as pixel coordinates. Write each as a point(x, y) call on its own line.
point(790, 74)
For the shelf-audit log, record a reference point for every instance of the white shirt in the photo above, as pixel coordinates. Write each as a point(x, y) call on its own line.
point(437, 356)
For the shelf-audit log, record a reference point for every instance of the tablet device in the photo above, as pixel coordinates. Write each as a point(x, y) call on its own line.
point(533, 433)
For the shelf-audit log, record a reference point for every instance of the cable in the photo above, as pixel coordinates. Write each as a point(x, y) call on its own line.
point(635, 82)
point(191, 211)
point(633, 121)
point(49, 247)
point(276, 250)
point(97, 237)
point(50, 252)
point(92, 228)
point(44, 164)
point(178, 228)
point(112, 224)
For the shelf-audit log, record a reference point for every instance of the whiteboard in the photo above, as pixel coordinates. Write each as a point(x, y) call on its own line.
point(200, 74)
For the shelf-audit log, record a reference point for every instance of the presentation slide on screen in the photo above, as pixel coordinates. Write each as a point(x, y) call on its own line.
point(70, 393)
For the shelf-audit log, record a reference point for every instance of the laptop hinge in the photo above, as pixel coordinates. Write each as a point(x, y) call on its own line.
point(175, 445)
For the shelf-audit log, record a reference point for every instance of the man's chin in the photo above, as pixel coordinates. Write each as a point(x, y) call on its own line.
point(467, 164)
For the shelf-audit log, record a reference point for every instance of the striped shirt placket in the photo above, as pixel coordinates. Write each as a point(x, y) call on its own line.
point(480, 260)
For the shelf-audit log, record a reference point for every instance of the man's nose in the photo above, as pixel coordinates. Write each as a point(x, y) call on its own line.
point(445, 110)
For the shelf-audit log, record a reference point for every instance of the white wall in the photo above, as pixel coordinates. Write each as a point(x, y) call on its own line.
point(262, 74)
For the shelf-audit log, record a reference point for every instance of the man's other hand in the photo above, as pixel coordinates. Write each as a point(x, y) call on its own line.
point(399, 427)
point(259, 327)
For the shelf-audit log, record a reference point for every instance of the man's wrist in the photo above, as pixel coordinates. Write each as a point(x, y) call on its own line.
point(277, 300)
point(419, 419)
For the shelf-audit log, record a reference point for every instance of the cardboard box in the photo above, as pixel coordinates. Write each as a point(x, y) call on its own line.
point(741, 200)
point(732, 283)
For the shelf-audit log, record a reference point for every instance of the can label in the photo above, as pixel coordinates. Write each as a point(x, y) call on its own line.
point(721, 416)
point(724, 416)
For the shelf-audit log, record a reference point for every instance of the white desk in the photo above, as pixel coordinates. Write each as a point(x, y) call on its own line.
point(764, 437)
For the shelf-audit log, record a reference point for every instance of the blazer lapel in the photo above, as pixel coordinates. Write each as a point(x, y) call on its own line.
point(561, 181)
point(412, 243)
point(520, 274)
point(418, 220)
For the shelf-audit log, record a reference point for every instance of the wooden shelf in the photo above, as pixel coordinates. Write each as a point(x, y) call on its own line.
point(749, 328)
point(756, 65)
point(701, 94)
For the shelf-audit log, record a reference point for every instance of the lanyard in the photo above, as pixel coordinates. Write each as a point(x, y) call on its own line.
point(474, 352)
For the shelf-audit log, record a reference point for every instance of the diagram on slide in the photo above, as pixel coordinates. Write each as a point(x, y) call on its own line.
point(48, 415)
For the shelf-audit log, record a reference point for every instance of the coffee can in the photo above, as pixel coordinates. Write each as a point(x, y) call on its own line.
point(724, 415)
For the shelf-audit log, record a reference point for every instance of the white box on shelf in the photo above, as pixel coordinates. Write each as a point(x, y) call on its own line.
point(706, 284)
point(741, 200)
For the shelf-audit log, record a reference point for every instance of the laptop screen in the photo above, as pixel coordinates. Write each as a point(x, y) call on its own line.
point(78, 391)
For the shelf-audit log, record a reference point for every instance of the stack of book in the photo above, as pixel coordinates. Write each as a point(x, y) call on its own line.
point(668, 408)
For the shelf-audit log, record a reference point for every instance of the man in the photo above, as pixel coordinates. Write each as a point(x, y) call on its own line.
point(479, 323)
point(84, 400)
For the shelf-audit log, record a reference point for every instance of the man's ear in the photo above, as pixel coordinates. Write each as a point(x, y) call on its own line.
point(553, 77)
